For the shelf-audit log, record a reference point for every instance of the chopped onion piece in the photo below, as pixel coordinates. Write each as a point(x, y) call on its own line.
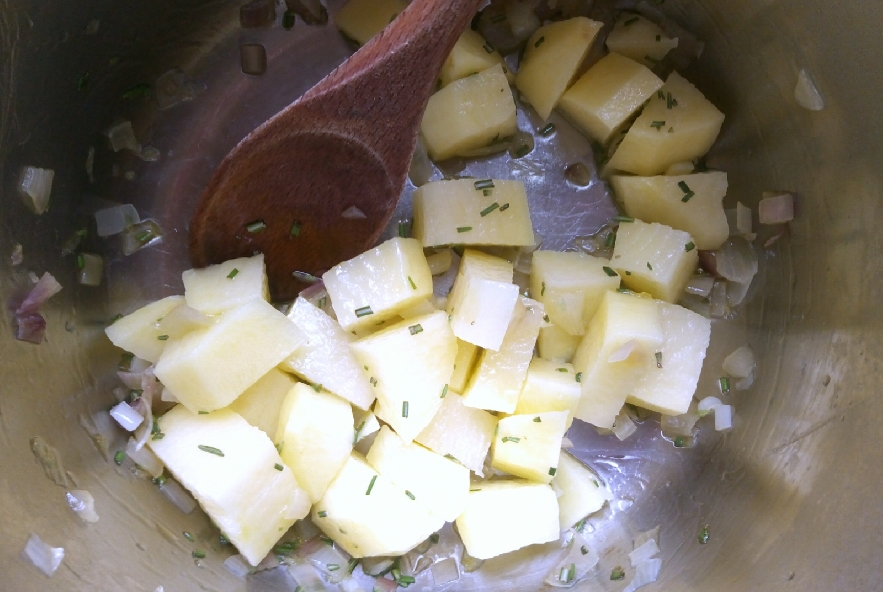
point(646, 572)
point(114, 220)
point(623, 352)
point(385, 585)
point(440, 262)
point(578, 562)
point(30, 323)
point(623, 426)
point(353, 213)
point(140, 235)
point(35, 187)
point(740, 363)
point(643, 537)
point(700, 285)
point(806, 94)
point(351, 585)
point(238, 566)
point(743, 384)
point(330, 562)
point(306, 530)
point(735, 260)
point(83, 504)
point(144, 458)
point(522, 19)
point(45, 557)
point(178, 496)
point(647, 550)
point(776, 209)
point(122, 137)
point(377, 566)
point(679, 425)
point(306, 577)
point(718, 300)
point(707, 405)
point(723, 417)
point(91, 269)
point(743, 221)
point(127, 417)
point(183, 319)
point(17, 256)
point(736, 292)
point(421, 170)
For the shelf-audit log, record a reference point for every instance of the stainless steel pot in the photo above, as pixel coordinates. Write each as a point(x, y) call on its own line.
point(791, 495)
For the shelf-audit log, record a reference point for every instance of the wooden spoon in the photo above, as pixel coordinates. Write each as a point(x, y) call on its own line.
point(347, 142)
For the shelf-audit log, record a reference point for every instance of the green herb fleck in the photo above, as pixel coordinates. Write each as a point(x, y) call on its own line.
point(658, 125)
point(552, 471)
point(725, 385)
point(444, 392)
point(410, 495)
point(617, 574)
point(434, 537)
point(188, 536)
point(411, 281)
point(295, 229)
point(363, 312)
point(539, 41)
point(198, 554)
point(316, 387)
point(511, 439)
point(609, 271)
point(139, 91)
point(488, 48)
point(278, 467)
point(323, 514)
point(689, 246)
point(403, 230)
point(464, 228)
point(703, 535)
point(561, 369)
point(610, 240)
point(288, 20)
point(650, 267)
point(623, 219)
point(489, 209)
point(484, 184)
point(233, 273)
point(415, 329)
point(547, 130)
point(659, 359)
point(537, 419)
point(504, 207)
point(679, 442)
point(119, 457)
point(223, 540)
point(579, 376)
point(163, 337)
point(584, 550)
point(371, 485)
point(405, 409)
point(211, 450)
point(498, 18)
point(543, 289)
point(373, 381)
point(256, 226)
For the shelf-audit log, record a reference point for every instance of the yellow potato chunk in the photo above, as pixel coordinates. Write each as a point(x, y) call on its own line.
point(639, 39)
point(360, 20)
point(470, 55)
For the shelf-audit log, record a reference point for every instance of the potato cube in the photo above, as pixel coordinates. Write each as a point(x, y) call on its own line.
point(459, 432)
point(692, 203)
point(678, 124)
point(556, 344)
point(499, 375)
point(470, 55)
point(207, 370)
point(527, 446)
point(669, 383)
point(467, 354)
point(260, 404)
point(367, 515)
point(375, 285)
point(654, 258)
point(217, 288)
point(549, 386)
point(482, 299)
point(139, 332)
point(552, 56)
point(360, 20)
point(639, 39)
point(606, 96)
point(503, 516)
point(622, 339)
point(326, 357)
point(469, 113)
point(570, 286)
point(411, 364)
point(315, 436)
point(459, 212)
point(232, 469)
point(440, 483)
point(582, 491)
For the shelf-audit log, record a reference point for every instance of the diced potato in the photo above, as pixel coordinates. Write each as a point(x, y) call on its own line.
point(570, 286)
point(661, 199)
point(182, 320)
point(438, 482)
point(467, 353)
point(482, 300)
point(654, 258)
point(502, 516)
point(606, 96)
point(364, 423)
point(439, 262)
point(326, 357)
point(582, 491)
point(470, 55)
point(231, 468)
point(459, 432)
point(639, 39)
point(443, 210)
point(557, 344)
point(662, 136)
point(412, 363)
point(139, 332)
point(527, 446)
point(367, 515)
point(260, 404)
point(360, 20)
point(218, 288)
point(670, 389)
point(469, 113)
point(418, 309)
point(623, 337)
point(552, 57)
point(499, 375)
point(549, 386)
point(315, 436)
point(208, 369)
point(375, 285)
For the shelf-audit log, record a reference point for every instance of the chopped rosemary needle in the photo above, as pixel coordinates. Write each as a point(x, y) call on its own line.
point(415, 329)
point(543, 289)
point(210, 450)
point(658, 124)
point(498, 18)
point(547, 129)
point(689, 247)
point(188, 536)
point(434, 537)
point(444, 392)
point(659, 359)
point(278, 467)
point(373, 381)
point(464, 228)
point(404, 409)
point(476, 489)
point(332, 567)
point(484, 184)
point(295, 229)
point(552, 471)
point(489, 209)
point(610, 241)
point(316, 387)
point(280, 445)
point(687, 197)
point(233, 273)
point(584, 550)
point(561, 369)
point(703, 535)
point(617, 573)
point(579, 376)
point(163, 337)
point(546, 318)
point(609, 271)
point(660, 94)
point(371, 485)
point(363, 312)
point(487, 192)
point(322, 514)
point(256, 226)
point(198, 554)
point(119, 457)
point(504, 207)
point(625, 219)
point(511, 439)
point(537, 419)
point(650, 267)
point(539, 41)
point(410, 495)
point(81, 261)
point(411, 281)
point(725, 385)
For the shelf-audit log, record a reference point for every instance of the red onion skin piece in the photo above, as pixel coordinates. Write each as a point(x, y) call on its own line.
point(45, 288)
point(31, 328)
point(708, 262)
point(385, 585)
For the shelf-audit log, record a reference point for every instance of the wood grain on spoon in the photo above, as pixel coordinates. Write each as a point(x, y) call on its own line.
point(346, 142)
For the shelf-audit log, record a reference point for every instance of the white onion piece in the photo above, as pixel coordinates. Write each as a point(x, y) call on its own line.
point(83, 505)
point(806, 94)
point(237, 565)
point(18, 256)
point(35, 187)
point(421, 169)
point(45, 557)
point(122, 137)
point(736, 292)
point(718, 300)
point(306, 577)
point(45, 288)
point(623, 352)
point(776, 209)
point(270, 561)
point(183, 319)
point(353, 213)
point(375, 566)
point(91, 270)
point(439, 262)
point(149, 154)
point(144, 458)
point(385, 585)
point(331, 562)
point(646, 572)
point(643, 537)
point(700, 285)
point(740, 363)
point(351, 585)
point(623, 426)
point(743, 221)
point(647, 550)
point(522, 19)
point(445, 571)
point(578, 562)
point(678, 425)
point(128, 418)
point(723, 417)
point(113, 220)
point(566, 442)
point(707, 405)
point(178, 496)
point(743, 384)
point(736, 261)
